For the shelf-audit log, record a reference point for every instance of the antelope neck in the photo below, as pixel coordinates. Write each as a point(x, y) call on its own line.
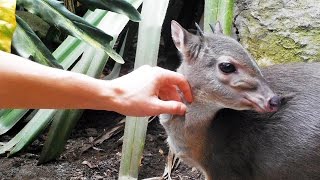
point(203, 110)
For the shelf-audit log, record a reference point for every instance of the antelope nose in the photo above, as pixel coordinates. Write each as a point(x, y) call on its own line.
point(274, 103)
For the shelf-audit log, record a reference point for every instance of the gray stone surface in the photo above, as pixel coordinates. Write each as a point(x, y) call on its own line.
point(279, 31)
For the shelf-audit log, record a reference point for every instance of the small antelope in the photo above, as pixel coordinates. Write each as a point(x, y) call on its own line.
point(237, 127)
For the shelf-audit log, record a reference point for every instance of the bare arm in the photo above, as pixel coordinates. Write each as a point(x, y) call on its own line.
point(26, 84)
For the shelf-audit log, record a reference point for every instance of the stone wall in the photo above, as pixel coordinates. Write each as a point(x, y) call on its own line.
point(279, 31)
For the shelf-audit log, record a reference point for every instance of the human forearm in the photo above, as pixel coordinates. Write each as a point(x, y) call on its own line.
point(25, 84)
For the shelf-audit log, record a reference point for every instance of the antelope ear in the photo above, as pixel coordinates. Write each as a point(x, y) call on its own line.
point(217, 29)
point(182, 39)
point(178, 35)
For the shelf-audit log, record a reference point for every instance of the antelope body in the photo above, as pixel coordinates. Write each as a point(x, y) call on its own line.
point(238, 127)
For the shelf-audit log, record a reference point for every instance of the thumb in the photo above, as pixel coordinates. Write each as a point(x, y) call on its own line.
point(171, 107)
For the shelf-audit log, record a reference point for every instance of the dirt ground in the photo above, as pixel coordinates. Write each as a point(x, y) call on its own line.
point(100, 162)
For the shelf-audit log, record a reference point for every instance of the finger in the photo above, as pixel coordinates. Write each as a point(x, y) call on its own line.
point(169, 93)
point(170, 107)
point(179, 80)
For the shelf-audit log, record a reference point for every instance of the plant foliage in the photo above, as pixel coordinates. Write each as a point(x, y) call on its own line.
point(7, 23)
point(91, 63)
point(54, 13)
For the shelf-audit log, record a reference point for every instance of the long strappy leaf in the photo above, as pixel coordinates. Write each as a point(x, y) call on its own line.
point(28, 45)
point(55, 13)
point(118, 6)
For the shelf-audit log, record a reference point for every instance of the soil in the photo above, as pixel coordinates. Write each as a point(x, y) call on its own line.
point(100, 162)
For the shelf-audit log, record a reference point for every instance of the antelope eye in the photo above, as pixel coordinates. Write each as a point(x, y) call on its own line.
point(227, 67)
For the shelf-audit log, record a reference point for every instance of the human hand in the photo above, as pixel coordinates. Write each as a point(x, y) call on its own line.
point(151, 91)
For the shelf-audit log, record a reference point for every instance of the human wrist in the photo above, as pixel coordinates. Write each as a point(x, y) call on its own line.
point(110, 96)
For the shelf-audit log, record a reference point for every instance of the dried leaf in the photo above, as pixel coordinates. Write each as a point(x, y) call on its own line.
point(90, 165)
point(110, 133)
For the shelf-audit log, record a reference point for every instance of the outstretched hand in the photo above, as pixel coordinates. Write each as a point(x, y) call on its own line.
point(144, 92)
point(151, 91)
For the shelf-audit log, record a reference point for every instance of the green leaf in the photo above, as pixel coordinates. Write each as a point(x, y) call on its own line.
point(56, 14)
point(7, 24)
point(63, 123)
point(118, 6)
point(27, 135)
point(28, 45)
point(9, 118)
point(4, 111)
point(71, 48)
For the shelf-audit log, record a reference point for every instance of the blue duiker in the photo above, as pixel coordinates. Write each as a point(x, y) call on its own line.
point(245, 123)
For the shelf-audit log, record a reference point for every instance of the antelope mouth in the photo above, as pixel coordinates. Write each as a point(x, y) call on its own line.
point(257, 106)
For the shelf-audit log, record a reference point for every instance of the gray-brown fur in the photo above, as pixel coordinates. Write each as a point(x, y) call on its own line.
point(232, 144)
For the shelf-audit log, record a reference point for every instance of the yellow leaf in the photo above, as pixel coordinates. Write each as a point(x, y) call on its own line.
point(7, 23)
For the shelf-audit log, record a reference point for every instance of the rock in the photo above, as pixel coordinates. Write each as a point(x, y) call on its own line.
point(279, 31)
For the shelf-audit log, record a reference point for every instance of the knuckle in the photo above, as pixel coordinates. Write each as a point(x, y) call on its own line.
point(178, 108)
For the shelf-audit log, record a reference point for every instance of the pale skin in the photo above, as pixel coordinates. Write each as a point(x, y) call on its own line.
point(146, 91)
